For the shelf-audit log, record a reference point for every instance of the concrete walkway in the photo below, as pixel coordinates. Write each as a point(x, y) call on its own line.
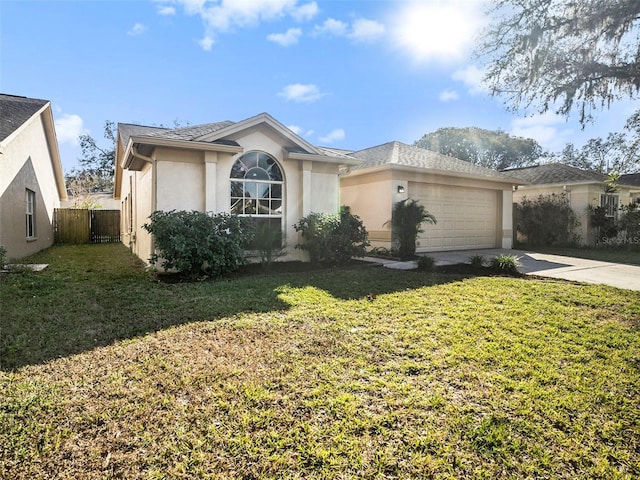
point(544, 265)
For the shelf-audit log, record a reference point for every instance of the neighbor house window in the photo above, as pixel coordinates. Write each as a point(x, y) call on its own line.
point(610, 203)
point(256, 189)
point(31, 213)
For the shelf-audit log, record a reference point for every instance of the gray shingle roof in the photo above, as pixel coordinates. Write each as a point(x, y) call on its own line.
point(14, 111)
point(630, 179)
point(398, 153)
point(553, 173)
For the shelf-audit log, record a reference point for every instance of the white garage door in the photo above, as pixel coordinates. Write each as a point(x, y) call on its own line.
point(467, 217)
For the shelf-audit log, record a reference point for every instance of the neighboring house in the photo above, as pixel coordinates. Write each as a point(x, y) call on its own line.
point(632, 180)
point(472, 204)
point(31, 177)
point(97, 200)
point(256, 168)
point(583, 188)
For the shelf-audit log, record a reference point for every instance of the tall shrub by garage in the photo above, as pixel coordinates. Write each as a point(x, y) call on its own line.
point(333, 238)
point(198, 244)
point(407, 218)
point(547, 220)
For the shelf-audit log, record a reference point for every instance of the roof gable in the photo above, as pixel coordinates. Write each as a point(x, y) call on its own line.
point(263, 118)
point(15, 111)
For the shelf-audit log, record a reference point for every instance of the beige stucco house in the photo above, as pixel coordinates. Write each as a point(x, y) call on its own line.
point(31, 177)
point(256, 168)
point(583, 188)
point(472, 204)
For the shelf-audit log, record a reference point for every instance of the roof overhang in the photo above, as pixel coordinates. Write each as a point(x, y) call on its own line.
point(321, 158)
point(140, 146)
point(434, 171)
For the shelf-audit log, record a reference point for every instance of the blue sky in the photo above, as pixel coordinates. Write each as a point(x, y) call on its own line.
point(347, 74)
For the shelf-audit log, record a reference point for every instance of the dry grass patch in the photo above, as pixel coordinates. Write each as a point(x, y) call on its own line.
point(438, 377)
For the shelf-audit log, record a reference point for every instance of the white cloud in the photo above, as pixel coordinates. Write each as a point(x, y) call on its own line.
point(301, 93)
point(305, 12)
point(543, 128)
point(137, 29)
point(448, 95)
point(166, 10)
point(222, 16)
point(361, 30)
point(333, 136)
point(364, 30)
point(206, 43)
point(438, 30)
point(472, 77)
point(68, 128)
point(332, 27)
point(290, 37)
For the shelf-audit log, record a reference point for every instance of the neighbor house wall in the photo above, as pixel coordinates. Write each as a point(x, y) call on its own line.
point(26, 163)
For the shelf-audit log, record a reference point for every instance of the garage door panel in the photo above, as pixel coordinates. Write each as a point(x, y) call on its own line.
point(466, 217)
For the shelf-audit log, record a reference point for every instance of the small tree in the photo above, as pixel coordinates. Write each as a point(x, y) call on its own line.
point(268, 242)
point(406, 220)
point(197, 244)
point(333, 238)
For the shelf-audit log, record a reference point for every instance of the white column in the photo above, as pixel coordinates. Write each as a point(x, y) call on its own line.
point(507, 218)
point(306, 187)
point(210, 179)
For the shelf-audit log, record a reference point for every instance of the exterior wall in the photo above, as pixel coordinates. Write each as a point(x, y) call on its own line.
point(371, 197)
point(26, 163)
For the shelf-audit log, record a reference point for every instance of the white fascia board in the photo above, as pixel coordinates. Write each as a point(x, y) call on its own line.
point(322, 158)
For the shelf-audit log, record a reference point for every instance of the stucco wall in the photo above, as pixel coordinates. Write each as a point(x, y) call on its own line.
point(26, 164)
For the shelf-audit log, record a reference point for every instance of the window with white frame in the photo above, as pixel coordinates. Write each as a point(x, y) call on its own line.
point(257, 189)
point(30, 208)
point(611, 204)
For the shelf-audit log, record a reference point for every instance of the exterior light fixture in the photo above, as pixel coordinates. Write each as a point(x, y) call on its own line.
point(400, 188)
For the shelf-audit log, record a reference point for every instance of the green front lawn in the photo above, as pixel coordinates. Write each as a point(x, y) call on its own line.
point(105, 373)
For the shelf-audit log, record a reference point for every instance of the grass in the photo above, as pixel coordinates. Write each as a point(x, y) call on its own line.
point(109, 374)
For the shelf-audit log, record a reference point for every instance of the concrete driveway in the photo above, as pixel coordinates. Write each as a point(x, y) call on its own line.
point(552, 266)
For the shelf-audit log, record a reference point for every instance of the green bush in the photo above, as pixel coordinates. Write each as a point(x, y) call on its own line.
point(406, 218)
point(198, 244)
point(268, 242)
point(333, 239)
point(3, 257)
point(476, 262)
point(426, 264)
point(506, 264)
point(548, 220)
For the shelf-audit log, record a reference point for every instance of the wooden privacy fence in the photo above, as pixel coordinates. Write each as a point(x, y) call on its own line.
point(72, 225)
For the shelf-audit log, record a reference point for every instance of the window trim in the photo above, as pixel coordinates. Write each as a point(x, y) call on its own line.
point(604, 203)
point(30, 214)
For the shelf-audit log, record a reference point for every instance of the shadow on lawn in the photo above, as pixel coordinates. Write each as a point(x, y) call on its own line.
point(94, 295)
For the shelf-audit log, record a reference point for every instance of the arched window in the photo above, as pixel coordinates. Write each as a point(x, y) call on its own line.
point(256, 189)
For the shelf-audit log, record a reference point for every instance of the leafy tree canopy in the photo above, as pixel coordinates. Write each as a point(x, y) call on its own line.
point(614, 154)
point(563, 54)
point(97, 164)
point(492, 149)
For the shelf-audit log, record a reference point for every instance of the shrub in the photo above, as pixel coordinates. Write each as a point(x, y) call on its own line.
point(3, 257)
point(268, 242)
point(506, 264)
point(548, 220)
point(406, 218)
point(426, 264)
point(333, 238)
point(198, 244)
point(476, 262)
